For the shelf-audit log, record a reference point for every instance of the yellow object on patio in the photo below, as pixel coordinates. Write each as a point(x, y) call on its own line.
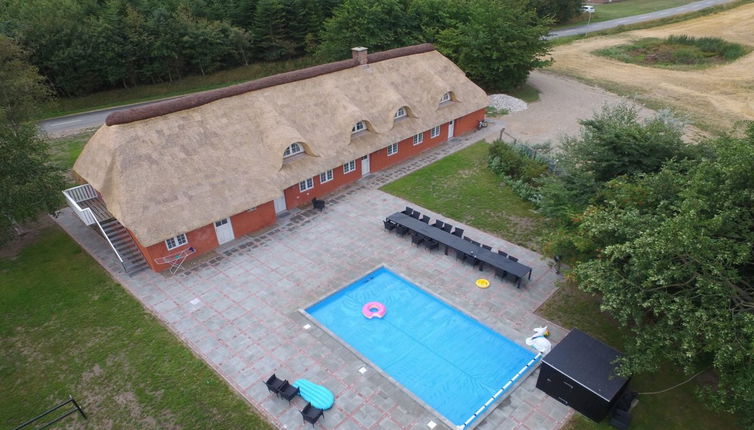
point(482, 283)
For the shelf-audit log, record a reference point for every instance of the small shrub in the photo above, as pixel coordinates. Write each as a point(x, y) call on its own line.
point(520, 167)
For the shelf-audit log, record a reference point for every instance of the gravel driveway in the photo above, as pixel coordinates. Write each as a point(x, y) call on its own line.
point(562, 103)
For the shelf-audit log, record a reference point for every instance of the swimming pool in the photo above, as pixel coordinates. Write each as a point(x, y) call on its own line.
point(453, 363)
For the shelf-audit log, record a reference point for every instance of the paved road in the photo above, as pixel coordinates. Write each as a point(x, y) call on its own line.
point(73, 123)
point(691, 7)
point(81, 121)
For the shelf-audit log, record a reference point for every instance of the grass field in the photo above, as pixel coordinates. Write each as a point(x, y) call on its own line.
point(190, 84)
point(67, 328)
point(621, 9)
point(65, 150)
point(461, 187)
point(713, 98)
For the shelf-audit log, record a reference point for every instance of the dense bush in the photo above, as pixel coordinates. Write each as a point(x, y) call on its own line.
point(676, 51)
point(516, 161)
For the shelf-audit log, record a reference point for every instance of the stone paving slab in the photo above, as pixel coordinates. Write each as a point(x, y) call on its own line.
point(238, 309)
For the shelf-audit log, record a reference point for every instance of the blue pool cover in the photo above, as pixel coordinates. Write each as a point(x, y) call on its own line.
point(448, 359)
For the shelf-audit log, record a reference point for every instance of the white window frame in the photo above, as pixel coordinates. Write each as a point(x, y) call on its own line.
point(326, 176)
point(306, 185)
point(400, 113)
point(358, 127)
point(289, 152)
point(446, 98)
point(392, 149)
point(177, 241)
point(435, 132)
point(418, 138)
point(349, 167)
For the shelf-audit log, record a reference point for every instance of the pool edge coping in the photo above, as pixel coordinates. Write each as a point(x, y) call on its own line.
point(480, 418)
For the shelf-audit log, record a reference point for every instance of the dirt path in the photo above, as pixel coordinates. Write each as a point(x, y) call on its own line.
point(562, 103)
point(714, 97)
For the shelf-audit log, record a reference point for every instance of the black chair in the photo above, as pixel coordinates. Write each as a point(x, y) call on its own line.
point(460, 255)
point(310, 414)
point(487, 247)
point(431, 244)
point(472, 260)
point(274, 384)
point(288, 391)
point(512, 258)
point(467, 239)
point(408, 211)
point(447, 227)
point(457, 232)
point(401, 230)
point(475, 242)
point(415, 214)
point(318, 204)
point(500, 273)
point(389, 225)
point(417, 238)
point(502, 253)
point(425, 219)
point(620, 419)
point(439, 224)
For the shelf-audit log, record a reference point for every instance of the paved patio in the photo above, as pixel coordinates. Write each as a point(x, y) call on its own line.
point(238, 308)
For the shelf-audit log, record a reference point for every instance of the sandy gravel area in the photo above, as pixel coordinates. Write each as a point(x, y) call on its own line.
point(562, 103)
point(715, 97)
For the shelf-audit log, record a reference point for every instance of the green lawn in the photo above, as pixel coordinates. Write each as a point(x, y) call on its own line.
point(526, 92)
point(67, 328)
point(621, 9)
point(677, 409)
point(65, 150)
point(122, 96)
point(462, 188)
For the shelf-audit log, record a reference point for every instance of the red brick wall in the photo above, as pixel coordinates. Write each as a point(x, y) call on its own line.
point(253, 220)
point(468, 123)
point(295, 198)
point(204, 238)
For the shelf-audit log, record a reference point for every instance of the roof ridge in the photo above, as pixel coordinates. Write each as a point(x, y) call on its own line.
point(198, 99)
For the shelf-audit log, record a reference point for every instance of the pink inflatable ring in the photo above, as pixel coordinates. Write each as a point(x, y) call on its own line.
point(373, 309)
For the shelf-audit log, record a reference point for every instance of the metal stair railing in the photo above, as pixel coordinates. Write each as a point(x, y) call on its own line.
point(71, 400)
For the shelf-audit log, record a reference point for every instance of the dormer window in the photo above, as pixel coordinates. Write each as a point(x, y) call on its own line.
point(293, 149)
point(400, 113)
point(359, 126)
point(446, 97)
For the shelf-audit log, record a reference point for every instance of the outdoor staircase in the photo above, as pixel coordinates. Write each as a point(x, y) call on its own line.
point(133, 260)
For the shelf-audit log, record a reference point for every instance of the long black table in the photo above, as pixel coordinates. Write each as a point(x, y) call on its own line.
point(486, 256)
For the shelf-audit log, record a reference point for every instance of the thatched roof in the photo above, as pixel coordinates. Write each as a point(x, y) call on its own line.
point(182, 164)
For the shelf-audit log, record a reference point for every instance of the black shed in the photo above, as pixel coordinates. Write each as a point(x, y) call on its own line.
point(579, 372)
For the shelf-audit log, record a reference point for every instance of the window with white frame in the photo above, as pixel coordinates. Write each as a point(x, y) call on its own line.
point(400, 113)
point(349, 167)
point(175, 242)
point(306, 185)
point(293, 149)
point(359, 126)
point(445, 97)
point(418, 138)
point(325, 176)
point(435, 132)
point(392, 149)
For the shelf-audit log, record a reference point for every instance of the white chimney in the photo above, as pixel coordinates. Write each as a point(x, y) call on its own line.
point(359, 54)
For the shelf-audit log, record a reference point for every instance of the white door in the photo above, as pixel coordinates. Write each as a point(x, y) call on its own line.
point(224, 231)
point(365, 165)
point(451, 126)
point(279, 204)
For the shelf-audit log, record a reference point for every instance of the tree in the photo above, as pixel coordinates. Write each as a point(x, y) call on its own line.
point(613, 143)
point(377, 25)
point(28, 181)
point(500, 43)
point(561, 11)
point(675, 265)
